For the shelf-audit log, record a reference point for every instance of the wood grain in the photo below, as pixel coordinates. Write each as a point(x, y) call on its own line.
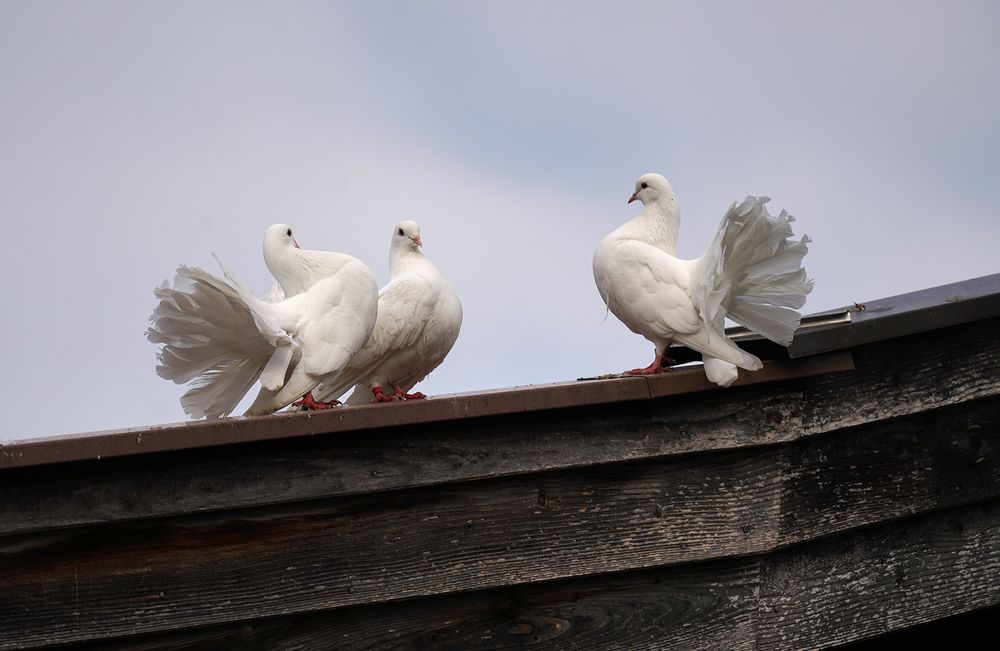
point(895, 378)
point(935, 460)
point(112, 580)
point(669, 608)
point(816, 478)
point(199, 570)
point(878, 580)
point(841, 589)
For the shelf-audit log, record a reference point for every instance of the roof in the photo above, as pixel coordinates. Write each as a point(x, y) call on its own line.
point(820, 347)
point(810, 509)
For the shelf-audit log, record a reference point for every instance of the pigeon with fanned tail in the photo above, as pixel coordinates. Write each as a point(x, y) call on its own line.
point(419, 318)
point(221, 338)
point(752, 273)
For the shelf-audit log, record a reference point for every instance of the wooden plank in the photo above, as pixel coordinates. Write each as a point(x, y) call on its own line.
point(94, 582)
point(897, 378)
point(857, 477)
point(669, 608)
point(492, 533)
point(204, 434)
point(963, 631)
point(837, 590)
point(882, 579)
point(908, 375)
point(389, 459)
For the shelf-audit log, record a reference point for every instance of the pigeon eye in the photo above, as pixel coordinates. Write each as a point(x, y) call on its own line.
point(401, 231)
point(288, 232)
point(644, 186)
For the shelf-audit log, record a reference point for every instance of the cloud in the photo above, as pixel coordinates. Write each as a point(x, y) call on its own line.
point(135, 137)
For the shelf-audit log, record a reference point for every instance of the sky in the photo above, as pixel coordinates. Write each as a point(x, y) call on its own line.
point(138, 136)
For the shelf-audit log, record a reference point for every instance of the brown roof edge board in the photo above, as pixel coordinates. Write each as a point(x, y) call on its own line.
point(811, 353)
point(200, 434)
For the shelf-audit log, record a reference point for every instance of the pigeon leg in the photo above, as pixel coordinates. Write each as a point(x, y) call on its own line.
point(658, 366)
point(311, 404)
point(408, 396)
point(381, 397)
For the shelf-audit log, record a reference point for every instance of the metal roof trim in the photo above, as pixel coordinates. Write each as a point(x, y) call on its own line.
point(888, 318)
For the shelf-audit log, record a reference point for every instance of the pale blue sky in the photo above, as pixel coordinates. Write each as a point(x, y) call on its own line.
point(137, 136)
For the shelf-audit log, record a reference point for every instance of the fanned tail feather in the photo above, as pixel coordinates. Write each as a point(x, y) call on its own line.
point(210, 338)
point(753, 272)
point(720, 371)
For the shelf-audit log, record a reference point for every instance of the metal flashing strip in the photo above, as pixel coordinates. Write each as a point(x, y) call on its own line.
point(887, 318)
point(807, 324)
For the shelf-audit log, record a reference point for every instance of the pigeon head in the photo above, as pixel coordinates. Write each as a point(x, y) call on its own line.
point(279, 235)
point(651, 187)
point(406, 235)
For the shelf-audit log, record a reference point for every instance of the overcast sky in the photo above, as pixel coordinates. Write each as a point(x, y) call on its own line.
point(135, 136)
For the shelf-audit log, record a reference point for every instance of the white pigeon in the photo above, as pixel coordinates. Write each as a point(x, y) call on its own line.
point(752, 273)
point(221, 338)
point(296, 269)
point(419, 318)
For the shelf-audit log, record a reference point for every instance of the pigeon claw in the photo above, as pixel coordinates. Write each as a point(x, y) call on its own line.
point(309, 403)
point(382, 397)
point(408, 396)
point(660, 365)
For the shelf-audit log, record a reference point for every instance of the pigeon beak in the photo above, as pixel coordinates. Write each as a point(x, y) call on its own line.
point(296, 244)
point(416, 240)
point(635, 195)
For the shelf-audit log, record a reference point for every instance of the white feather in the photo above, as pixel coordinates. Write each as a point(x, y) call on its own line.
point(208, 338)
point(276, 370)
point(419, 318)
point(751, 273)
point(719, 371)
point(221, 338)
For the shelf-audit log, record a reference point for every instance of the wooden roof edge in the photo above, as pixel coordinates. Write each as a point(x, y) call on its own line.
point(514, 400)
point(820, 347)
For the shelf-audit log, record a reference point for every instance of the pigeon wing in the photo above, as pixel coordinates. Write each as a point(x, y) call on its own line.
point(334, 325)
point(649, 290)
point(405, 306)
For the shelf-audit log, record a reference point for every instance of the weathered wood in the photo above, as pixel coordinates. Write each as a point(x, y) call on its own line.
point(478, 404)
point(105, 581)
point(935, 460)
point(882, 579)
point(894, 378)
point(198, 570)
point(669, 608)
point(389, 459)
point(840, 589)
point(909, 375)
point(962, 631)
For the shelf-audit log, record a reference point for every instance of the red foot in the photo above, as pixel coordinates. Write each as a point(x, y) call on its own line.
point(660, 365)
point(408, 396)
point(310, 404)
point(381, 397)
